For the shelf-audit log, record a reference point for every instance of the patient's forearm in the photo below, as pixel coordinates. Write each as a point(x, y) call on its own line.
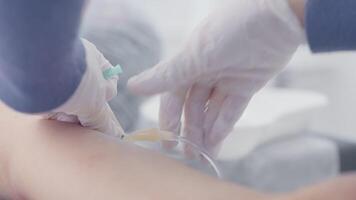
point(44, 160)
point(60, 161)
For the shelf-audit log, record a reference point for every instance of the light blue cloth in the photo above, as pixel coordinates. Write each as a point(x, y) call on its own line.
point(331, 25)
point(41, 57)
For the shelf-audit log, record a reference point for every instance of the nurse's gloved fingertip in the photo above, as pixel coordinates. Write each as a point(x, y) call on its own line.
point(169, 145)
point(191, 153)
point(212, 140)
point(213, 144)
point(141, 85)
point(134, 85)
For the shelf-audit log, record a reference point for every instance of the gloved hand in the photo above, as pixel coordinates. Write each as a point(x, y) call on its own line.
point(230, 56)
point(88, 105)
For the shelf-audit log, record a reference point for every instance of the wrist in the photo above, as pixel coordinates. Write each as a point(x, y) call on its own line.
point(298, 7)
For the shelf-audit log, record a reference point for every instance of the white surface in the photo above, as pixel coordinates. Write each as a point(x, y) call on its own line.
point(271, 105)
point(288, 164)
point(273, 112)
point(333, 75)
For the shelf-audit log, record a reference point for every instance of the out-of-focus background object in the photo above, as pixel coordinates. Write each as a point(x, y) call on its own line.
point(298, 131)
point(330, 74)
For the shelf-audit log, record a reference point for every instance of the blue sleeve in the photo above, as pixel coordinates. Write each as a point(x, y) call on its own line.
point(42, 59)
point(331, 25)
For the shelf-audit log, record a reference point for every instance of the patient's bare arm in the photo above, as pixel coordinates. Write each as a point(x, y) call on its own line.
point(50, 160)
point(44, 160)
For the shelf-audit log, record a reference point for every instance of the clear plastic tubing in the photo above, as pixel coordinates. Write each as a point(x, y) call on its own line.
point(202, 152)
point(154, 135)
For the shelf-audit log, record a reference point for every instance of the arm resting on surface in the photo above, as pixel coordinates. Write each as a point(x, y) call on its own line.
point(50, 160)
point(47, 160)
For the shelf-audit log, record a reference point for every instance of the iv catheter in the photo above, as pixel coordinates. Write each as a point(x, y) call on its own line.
point(155, 135)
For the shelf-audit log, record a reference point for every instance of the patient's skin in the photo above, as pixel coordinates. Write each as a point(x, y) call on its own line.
point(47, 160)
point(50, 160)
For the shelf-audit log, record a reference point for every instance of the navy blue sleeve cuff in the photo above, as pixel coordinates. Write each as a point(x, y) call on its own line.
point(42, 60)
point(331, 25)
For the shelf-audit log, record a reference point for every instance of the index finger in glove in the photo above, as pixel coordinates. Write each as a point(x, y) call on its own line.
point(171, 109)
point(166, 76)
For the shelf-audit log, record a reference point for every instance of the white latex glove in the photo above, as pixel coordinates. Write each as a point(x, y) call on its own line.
point(230, 56)
point(88, 105)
